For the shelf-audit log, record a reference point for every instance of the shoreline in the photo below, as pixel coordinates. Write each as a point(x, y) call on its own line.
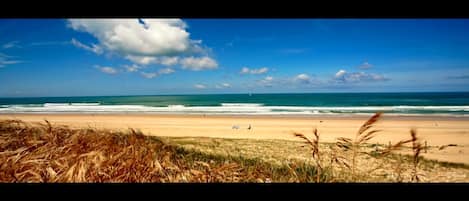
point(255, 116)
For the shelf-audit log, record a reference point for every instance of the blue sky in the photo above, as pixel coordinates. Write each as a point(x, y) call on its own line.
point(88, 57)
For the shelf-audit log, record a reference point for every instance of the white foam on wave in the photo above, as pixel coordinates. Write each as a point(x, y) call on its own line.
point(56, 104)
point(432, 107)
point(241, 104)
point(176, 106)
point(231, 108)
point(68, 104)
point(23, 105)
point(86, 104)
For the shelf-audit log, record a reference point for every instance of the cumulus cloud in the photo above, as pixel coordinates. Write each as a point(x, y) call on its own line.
point(148, 75)
point(267, 81)
point(197, 64)
point(340, 74)
point(142, 60)
point(169, 61)
point(147, 41)
point(136, 68)
point(107, 69)
point(92, 48)
point(200, 86)
point(223, 85)
point(132, 68)
point(246, 70)
point(166, 71)
point(365, 65)
point(129, 37)
point(346, 77)
point(146, 60)
point(303, 78)
point(10, 44)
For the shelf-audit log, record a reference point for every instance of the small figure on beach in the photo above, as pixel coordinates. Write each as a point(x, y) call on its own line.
point(249, 128)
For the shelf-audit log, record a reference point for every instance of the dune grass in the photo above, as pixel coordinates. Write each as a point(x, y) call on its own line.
point(47, 153)
point(347, 151)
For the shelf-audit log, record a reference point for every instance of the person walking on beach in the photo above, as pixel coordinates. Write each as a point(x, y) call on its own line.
point(249, 128)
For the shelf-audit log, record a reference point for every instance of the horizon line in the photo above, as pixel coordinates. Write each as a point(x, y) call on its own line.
point(195, 94)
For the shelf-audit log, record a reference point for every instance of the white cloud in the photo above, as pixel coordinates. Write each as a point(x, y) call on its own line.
point(3, 63)
point(200, 86)
point(346, 77)
point(166, 71)
point(246, 70)
point(148, 75)
point(267, 81)
point(93, 48)
point(303, 78)
point(169, 61)
point(129, 37)
point(142, 60)
point(197, 64)
point(107, 69)
point(10, 44)
point(365, 65)
point(268, 78)
point(259, 71)
point(5, 60)
point(376, 77)
point(136, 68)
point(146, 60)
point(147, 41)
point(340, 73)
point(132, 68)
point(223, 85)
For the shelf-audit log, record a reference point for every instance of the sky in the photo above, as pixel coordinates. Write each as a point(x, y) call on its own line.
point(101, 57)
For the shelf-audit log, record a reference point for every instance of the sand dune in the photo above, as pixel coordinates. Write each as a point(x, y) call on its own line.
point(437, 131)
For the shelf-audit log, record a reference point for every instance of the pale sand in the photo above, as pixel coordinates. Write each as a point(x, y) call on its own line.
point(436, 131)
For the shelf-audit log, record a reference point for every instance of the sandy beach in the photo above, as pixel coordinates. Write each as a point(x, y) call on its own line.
point(436, 131)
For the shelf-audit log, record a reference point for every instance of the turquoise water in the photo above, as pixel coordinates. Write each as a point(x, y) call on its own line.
point(451, 103)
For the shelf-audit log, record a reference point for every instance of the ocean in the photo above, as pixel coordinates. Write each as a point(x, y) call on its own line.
point(442, 103)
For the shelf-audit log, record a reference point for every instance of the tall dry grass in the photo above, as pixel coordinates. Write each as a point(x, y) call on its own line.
point(346, 152)
point(314, 145)
point(416, 148)
point(47, 153)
